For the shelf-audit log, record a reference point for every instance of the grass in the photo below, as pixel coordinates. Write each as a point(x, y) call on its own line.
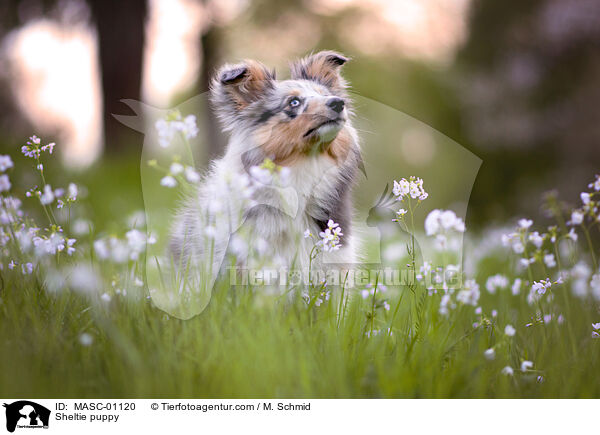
point(242, 349)
point(246, 344)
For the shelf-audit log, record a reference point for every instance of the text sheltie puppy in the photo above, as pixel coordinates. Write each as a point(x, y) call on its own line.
point(289, 167)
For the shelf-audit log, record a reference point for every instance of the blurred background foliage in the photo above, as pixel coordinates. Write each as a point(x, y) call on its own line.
point(513, 82)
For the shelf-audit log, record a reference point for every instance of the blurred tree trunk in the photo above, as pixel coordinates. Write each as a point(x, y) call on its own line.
point(211, 57)
point(121, 26)
point(12, 122)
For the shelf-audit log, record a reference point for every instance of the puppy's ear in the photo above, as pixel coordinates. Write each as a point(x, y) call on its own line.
point(235, 87)
point(322, 67)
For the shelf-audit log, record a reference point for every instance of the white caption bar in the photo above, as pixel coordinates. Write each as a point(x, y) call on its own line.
point(297, 416)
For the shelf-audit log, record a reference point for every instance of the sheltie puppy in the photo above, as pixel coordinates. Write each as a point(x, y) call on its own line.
point(287, 173)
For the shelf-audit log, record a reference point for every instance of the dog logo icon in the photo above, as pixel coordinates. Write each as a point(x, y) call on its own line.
point(26, 414)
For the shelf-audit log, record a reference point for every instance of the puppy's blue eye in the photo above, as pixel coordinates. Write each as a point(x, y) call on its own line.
point(294, 102)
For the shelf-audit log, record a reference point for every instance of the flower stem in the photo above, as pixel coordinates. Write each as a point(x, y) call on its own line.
point(591, 246)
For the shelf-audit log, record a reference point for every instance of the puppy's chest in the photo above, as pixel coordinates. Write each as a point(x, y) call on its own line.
point(314, 184)
point(316, 181)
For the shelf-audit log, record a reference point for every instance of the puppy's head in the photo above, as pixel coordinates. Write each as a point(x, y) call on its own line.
point(288, 119)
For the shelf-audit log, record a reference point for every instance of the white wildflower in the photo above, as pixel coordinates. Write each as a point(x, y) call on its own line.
point(596, 184)
point(70, 248)
point(469, 294)
point(84, 278)
point(525, 223)
point(496, 282)
point(27, 268)
point(440, 221)
point(285, 175)
point(585, 198)
point(513, 240)
point(446, 305)
point(525, 262)
point(4, 183)
point(542, 286)
point(508, 371)
point(330, 238)
point(576, 217)
point(176, 168)
point(191, 175)
point(401, 188)
point(510, 330)
point(48, 196)
point(101, 249)
point(238, 246)
point(119, 250)
point(73, 191)
point(189, 128)
point(86, 339)
point(526, 365)
point(210, 231)
point(490, 354)
point(412, 187)
point(572, 235)
point(549, 260)
point(580, 274)
point(168, 181)
point(400, 213)
point(516, 287)
point(536, 239)
point(49, 147)
point(260, 174)
point(168, 128)
point(136, 241)
point(5, 163)
point(595, 286)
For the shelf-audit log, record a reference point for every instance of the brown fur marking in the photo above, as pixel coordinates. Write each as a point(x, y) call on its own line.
point(253, 84)
point(285, 143)
point(340, 146)
point(322, 67)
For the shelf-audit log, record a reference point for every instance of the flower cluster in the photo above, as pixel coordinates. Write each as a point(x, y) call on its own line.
point(589, 207)
point(269, 173)
point(331, 237)
point(371, 291)
point(29, 247)
point(439, 222)
point(413, 188)
point(468, 294)
point(34, 149)
point(5, 163)
point(174, 124)
point(533, 246)
point(121, 251)
point(176, 174)
point(496, 282)
point(47, 195)
point(52, 243)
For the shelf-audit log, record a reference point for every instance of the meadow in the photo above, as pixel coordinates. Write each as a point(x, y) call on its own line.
point(76, 321)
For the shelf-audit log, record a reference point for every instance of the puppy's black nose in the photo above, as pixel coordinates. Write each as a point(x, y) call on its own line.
point(337, 104)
